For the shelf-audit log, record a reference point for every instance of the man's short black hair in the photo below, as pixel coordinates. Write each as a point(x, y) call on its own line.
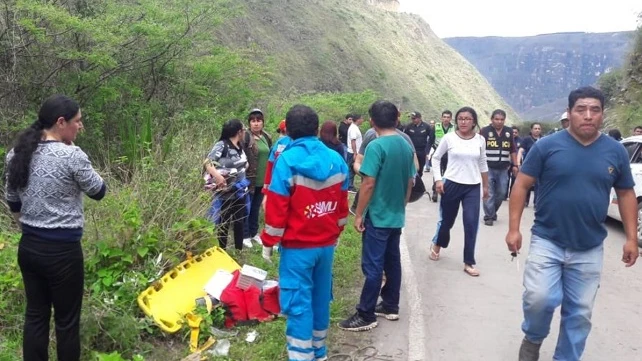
point(583, 93)
point(348, 116)
point(384, 114)
point(638, 127)
point(498, 112)
point(515, 128)
point(301, 121)
point(447, 112)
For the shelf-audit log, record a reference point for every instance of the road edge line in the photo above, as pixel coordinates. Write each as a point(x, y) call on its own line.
point(416, 350)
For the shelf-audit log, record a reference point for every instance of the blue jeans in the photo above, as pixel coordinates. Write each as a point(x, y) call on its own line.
point(380, 252)
point(469, 197)
point(556, 276)
point(497, 187)
point(251, 224)
point(350, 160)
point(305, 279)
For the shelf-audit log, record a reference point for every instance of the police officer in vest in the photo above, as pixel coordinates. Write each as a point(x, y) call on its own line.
point(440, 130)
point(419, 133)
point(501, 154)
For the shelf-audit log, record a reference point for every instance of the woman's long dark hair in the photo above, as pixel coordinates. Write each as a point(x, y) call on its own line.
point(467, 110)
point(328, 132)
point(230, 129)
point(52, 109)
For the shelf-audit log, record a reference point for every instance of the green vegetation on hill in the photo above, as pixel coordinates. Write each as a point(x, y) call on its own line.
point(623, 89)
point(348, 46)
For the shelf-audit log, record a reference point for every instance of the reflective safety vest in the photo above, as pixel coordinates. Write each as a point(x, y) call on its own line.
point(440, 131)
point(499, 146)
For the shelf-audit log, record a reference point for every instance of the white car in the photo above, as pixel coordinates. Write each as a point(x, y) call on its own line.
point(634, 146)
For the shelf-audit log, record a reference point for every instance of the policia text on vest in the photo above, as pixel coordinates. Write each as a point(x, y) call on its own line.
point(499, 146)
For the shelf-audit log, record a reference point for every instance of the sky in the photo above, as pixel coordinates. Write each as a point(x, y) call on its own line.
point(449, 18)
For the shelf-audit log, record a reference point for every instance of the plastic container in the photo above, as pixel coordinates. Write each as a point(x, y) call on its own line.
point(251, 276)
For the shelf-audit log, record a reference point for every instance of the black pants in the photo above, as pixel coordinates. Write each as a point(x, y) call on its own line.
point(53, 275)
point(251, 224)
point(421, 158)
point(442, 165)
point(233, 214)
point(511, 181)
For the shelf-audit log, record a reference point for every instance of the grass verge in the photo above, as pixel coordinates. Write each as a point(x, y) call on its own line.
point(112, 326)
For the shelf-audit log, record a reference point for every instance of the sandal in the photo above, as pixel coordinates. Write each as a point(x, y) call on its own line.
point(472, 271)
point(433, 255)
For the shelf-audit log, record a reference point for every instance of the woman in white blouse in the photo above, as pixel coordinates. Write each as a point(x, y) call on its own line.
point(467, 168)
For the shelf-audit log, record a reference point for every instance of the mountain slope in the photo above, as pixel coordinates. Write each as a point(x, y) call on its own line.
point(625, 106)
point(534, 74)
point(330, 45)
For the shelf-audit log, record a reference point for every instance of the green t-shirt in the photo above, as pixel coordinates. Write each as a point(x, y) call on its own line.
point(264, 153)
point(389, 160)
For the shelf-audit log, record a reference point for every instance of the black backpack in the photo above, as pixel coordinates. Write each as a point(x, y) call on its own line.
point(418, 189)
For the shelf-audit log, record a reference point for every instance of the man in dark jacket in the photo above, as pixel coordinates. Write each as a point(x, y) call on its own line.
point(420, 134)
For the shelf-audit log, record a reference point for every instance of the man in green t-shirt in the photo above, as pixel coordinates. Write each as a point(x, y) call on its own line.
point(388, 171)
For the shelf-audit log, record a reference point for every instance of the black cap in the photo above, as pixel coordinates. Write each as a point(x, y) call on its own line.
point(415, 115)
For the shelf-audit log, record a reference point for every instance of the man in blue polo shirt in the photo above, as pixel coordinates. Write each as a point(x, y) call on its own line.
point(575, 171)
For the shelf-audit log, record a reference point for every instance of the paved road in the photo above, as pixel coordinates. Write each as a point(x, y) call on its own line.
point(450, 316)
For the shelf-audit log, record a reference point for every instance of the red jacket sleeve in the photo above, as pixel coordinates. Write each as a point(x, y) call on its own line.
point(268, 176)
point(276, 209)
point(275, 218)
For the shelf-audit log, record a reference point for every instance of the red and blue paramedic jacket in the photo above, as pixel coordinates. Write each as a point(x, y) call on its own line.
point(308, 196)
point(276, 150)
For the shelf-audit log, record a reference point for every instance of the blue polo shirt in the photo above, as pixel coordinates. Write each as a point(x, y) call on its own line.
point(574, 183)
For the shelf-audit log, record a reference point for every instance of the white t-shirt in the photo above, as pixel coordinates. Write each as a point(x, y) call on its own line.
point(354, 133)
point(466, 159)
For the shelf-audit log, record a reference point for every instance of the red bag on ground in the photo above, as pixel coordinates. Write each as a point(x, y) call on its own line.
point(233, 298)
point(253, 304)
point(255, 310)
point(270, 300)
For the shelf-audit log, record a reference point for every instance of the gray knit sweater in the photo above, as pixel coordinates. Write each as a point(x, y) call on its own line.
point(53, 197)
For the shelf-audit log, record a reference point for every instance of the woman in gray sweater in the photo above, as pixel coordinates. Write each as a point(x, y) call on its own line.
point(46, 178)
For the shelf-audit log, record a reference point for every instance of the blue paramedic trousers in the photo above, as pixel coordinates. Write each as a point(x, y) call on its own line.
point(305, 279)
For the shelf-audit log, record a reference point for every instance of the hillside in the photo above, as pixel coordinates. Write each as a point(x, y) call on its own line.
point(534, 74)
point(624, 88)
point(345, 46)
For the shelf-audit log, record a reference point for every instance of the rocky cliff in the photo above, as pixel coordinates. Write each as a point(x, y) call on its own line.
point(535, 74)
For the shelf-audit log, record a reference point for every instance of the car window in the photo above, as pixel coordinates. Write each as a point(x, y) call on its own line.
point(634, 155)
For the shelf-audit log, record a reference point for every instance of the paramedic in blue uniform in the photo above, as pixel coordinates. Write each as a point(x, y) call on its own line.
point(307, 212)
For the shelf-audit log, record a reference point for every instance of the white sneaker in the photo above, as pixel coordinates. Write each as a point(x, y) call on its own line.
point(247, 242)
point(257, 239)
